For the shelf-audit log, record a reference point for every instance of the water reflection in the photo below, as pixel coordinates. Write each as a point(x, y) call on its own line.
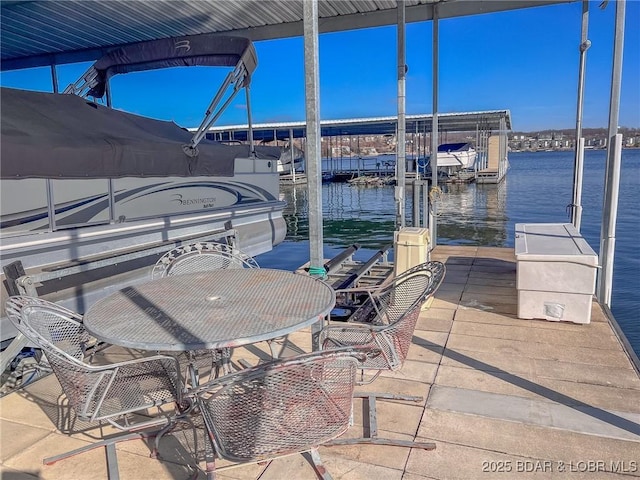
point(539, 187)
point(473, 214)
point(468, 214)
point(295, 213)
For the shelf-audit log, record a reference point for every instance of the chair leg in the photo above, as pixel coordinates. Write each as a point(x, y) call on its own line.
point(280, 342)
point(155, 453)
point(313, 457)
point(109, 444)
point(112, 462)
point(373, 438)
point(209, 455)
point(183, 417)
point(210, 465)
point(225, 360)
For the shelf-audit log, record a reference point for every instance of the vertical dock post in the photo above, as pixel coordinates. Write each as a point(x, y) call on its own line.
point(314, 173)
point(576, 205)
point(434, 131)
point(401, 147)
point(612, 172)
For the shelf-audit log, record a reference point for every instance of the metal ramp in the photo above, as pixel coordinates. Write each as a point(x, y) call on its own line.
point(343, 271)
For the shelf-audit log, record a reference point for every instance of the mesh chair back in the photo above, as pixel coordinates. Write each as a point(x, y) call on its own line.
point(201, 257)
point(392, 300)
point(281, 407)
point(93, 392)
point(434, 270)
point(390, 314)
point(49, 323)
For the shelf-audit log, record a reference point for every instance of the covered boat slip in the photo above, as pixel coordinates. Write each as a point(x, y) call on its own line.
point(488, 129)
point(503, 396)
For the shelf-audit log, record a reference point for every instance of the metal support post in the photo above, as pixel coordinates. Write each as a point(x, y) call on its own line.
point(54, 80)
point(612, 175)
point(425, 203)
point(401, 147)
point(313, 154)
point(576, 205)
point(610, 214)
point(252, 149)
point(293, 163)
point(417, 190)
point(577, 185)
point(434, 132)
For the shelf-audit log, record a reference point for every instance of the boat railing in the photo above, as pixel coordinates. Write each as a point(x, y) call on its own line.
point(26, 284)
point(32, 284)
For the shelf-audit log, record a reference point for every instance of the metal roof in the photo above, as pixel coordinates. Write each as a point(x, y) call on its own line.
point(46, 32)
point(447, 122)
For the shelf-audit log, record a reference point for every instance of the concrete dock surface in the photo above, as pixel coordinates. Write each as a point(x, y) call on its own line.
point(502, 398)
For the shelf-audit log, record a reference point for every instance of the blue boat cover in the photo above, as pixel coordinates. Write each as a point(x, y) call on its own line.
point(454, 147)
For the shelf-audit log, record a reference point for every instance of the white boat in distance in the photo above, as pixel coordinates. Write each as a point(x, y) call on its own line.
point(456, 156)
point(83, 183)
point(285, 160)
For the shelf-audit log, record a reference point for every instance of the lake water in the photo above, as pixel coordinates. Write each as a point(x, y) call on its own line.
point(537, 189)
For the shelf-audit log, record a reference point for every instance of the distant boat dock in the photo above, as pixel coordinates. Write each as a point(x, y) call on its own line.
point(347, 152)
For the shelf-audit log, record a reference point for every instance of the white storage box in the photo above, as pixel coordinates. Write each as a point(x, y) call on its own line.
point(556, 272)
point(411, 248)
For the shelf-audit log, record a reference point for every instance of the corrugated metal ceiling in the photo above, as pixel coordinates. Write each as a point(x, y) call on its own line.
point(36, 33)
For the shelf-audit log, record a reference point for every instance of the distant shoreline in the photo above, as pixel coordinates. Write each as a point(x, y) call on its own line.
point(540, 150)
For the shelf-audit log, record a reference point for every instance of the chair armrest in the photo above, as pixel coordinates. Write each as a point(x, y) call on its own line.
point(114, 369)
point(359, 351)
point(348, 334)
point(138, 360)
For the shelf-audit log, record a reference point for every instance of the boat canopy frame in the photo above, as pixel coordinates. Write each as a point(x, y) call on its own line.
point(195, 50)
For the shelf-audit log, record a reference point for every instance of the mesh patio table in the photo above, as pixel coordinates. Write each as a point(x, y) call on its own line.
point(210, 310)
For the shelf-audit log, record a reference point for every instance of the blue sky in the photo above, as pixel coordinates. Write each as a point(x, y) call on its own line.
point(525, 61)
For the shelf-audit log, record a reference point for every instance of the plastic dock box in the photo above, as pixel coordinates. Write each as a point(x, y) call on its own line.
point(556, 272)
point(411, 248)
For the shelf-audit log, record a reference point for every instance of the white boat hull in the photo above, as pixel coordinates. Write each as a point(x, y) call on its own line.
point(285, 167)
point(284, 162)
point(460, 160)
point(47, 224)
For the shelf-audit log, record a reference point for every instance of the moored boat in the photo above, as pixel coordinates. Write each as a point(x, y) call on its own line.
point(289, 156)
point(85, 183)
point(456, 156)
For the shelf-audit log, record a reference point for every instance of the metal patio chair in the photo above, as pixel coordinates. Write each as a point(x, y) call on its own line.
point(386, 319)
point(201, 257)
point(117, 393)
point(381, 304)
point(279, 408)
